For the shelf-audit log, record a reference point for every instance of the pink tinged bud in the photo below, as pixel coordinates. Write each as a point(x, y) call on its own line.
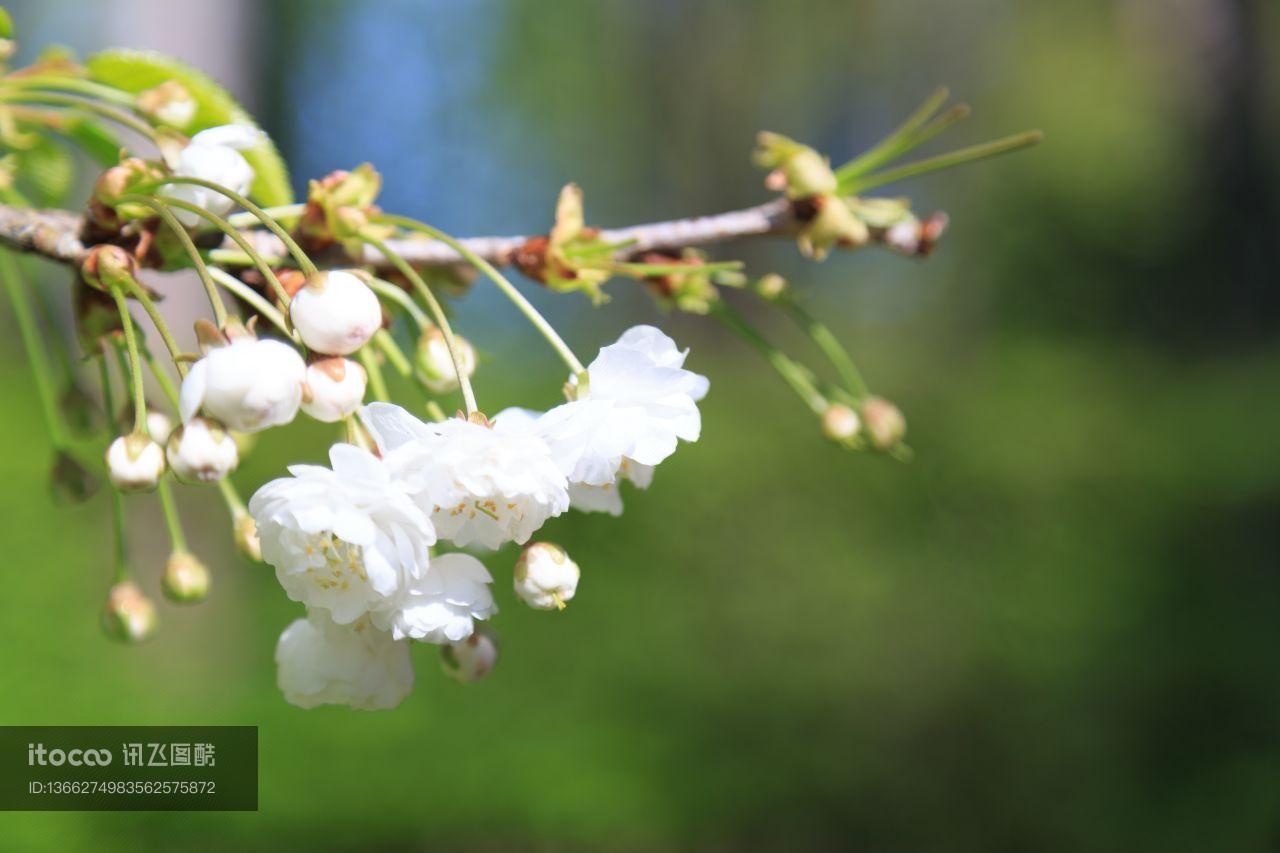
point(129, 615)
point(333, 389)
point(185, 579)
point(545, 577)
point(840, 423)
point(202, 451)
point(436, 364)
point(471, 659)
point(135, 463)
point(884, 423)
point(335, 313)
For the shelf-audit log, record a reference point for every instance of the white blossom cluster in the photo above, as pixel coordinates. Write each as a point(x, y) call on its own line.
point(355, 542)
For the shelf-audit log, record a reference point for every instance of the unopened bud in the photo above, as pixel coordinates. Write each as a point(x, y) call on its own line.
point(335, 313)
point(436, 363)
point(840, 423)
point(185, 579)
point(159, 426)
point(129, 615)
point(884, 422)
point(106, 265)
point(134, 463)
point(333, 389)
point(772, 286)
point(833, 225)
point(471, 659)
point(246, 535)
point(169, 103)
point(545, 577)
point(202, 451)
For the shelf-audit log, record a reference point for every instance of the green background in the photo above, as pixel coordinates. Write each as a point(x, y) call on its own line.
point(1056, 629)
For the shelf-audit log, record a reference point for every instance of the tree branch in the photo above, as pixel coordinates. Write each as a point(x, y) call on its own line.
point(56, 235)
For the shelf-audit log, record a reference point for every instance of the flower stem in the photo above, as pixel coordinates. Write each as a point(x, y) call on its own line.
point(117, 499)
point(397, 295)
point(135, 362)
point(831, 347)
point(215, 300)
point(304, 262)
point(896, 143)
point(539, 322)
point(36, 355)
point(795, 374)
point(138, 292)
point(245, 246)
point(235, 504)
point(162, 379)
point(75, 85)
point(170, 509)
point(284, 211)
point(377, 383)
point(137, 125)
point(257, 300)
point(464, 381)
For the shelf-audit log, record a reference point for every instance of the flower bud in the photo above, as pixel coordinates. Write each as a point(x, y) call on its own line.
point(333, 389)
point(129, 615)
point(159, 426)
point(246, 535)
point(772, 286)
point(134, 463)
point(185, 579)
point(803, 171)
point(437, 365)
point(833, 224)
point(545, 577)
point(335, 313)
point(884, 422)
point(840, 423)
point(201, 451)
point(471, 659)
point(248, 385)
point(105, 265)
point(169, 103)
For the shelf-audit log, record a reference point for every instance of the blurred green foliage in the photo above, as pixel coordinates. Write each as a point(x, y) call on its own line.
point(1055, 630)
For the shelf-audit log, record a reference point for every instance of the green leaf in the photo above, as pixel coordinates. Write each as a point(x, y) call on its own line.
point(46, 171)
point(136, 70)
point(95, 140)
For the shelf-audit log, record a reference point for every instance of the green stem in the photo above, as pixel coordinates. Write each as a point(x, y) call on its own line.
point(138, 292)
point(72, 84)
point(397, 295)
point(437, 311)
point(245, 246)
point(117, 499)
point(171, 521)
point(674, 269)
point(795, 375)
point(831, 347)
point(162, 379)
point(945, 161)
point(283, 211)
point(235, 504)
point(383, 340)
point(215, 300)
point(377, 383)
point(304, 262)
point(257, 300)
point(56, 99)
point(30, 332)
point(539, 322)
point(135, 362)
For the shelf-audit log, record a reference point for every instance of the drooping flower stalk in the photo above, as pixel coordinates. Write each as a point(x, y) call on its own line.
point(170, 510)
point(117, 499)
point(259, 303)
point(120, 117)
point(29, 331)
point(377, 383)
point(796, 375)
point(135, 361)
point(534, 316)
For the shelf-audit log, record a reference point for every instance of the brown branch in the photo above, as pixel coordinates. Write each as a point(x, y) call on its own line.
point(56, 235)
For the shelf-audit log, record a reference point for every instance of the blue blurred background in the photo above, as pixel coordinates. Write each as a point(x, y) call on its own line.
point(1056, 629)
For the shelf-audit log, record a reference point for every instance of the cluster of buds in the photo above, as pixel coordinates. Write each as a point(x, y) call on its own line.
point(339, 208)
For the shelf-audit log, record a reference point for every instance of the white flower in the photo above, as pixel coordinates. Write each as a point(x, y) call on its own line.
point(335, 313)
point(323, 663)
point(545, 577)
point(333, 389)
point(483, 486)
point(249, 384)
point(350, 539)
point(134, 463)
point(214, 155)
point(437, 365)
point(442, 606)
point(472, 658)
point(159, 426)
point(201, 451)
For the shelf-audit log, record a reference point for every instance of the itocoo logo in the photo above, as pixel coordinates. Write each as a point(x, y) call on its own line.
point(37, 754)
